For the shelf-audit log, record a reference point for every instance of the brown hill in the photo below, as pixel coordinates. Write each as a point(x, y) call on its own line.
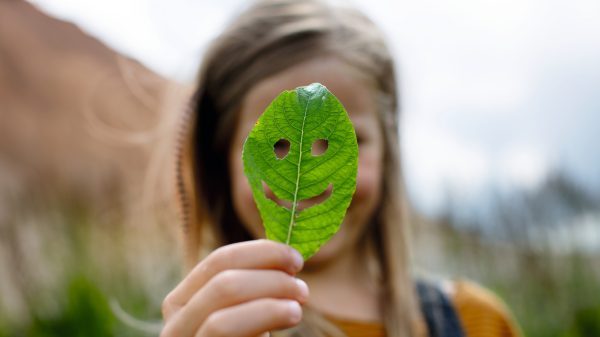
point(75, 116)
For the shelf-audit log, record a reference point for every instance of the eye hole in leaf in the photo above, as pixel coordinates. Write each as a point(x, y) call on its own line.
point(319, 147)
point(281, 148)
point(303, 199)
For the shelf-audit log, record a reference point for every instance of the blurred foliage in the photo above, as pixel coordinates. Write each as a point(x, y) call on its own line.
point(85, 312)
point(524, 250)
point(546, 304)
point(67, 263)
point(586, 322)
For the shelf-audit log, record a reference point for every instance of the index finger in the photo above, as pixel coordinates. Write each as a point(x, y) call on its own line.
point(256, 254)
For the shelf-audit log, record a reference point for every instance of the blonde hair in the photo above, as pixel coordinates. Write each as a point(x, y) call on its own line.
point(268, 37)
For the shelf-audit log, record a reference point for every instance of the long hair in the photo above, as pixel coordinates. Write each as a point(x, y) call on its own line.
point(268, 37)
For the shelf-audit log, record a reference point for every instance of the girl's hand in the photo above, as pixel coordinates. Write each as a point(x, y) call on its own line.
point(242, 289)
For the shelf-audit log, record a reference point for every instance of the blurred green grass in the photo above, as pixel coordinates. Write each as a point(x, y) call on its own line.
point(549, 295)
point(64, 263)
point(62, 267)
point(550, 281)
point(84, 312)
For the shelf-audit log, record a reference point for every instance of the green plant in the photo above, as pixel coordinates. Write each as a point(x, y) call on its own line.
point(84, 312)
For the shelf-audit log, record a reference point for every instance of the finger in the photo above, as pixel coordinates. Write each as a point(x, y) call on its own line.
point(257, 254)
point(233, 287)
point(252, 318)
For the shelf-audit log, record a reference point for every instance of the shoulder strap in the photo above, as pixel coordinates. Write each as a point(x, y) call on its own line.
point(439, 313)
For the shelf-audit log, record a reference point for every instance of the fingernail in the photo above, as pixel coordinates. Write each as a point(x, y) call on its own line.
point(298, 260)
point(303, 289)
point(295, 311)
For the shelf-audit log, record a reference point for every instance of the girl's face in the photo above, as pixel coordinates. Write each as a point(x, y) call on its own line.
point(358, 97)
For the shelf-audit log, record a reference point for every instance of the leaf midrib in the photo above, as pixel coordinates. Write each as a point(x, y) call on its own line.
point(295, 202)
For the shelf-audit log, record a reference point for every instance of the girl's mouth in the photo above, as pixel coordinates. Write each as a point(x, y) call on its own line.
point(302, 204)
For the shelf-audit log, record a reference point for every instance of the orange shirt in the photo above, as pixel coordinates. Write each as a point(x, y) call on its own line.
point(482, 314)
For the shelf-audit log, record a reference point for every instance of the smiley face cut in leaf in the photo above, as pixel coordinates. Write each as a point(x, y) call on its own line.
point(302, 147)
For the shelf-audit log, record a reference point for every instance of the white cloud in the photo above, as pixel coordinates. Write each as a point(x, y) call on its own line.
point(435, 161)
point(522, 166)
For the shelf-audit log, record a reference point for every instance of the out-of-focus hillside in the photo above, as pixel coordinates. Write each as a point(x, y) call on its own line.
point(75, 116)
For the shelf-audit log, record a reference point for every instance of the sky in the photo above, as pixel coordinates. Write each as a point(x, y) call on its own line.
point(496, 94)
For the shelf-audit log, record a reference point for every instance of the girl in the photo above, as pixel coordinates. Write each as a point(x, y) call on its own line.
point(360, 282)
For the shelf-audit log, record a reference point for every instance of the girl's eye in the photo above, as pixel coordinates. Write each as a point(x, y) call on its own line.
point(319, 147)
point(359, 139)
point(281, 148)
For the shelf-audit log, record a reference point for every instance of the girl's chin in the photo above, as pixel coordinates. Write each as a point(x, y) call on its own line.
point(327, 253)
point(340, 243)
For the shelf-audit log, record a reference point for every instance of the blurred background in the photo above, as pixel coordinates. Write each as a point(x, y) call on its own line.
point(500, 137)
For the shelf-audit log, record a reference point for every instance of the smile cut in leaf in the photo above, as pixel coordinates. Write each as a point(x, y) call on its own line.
point(302, 145)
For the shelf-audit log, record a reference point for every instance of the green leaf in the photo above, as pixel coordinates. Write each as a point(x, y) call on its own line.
point(302, 117)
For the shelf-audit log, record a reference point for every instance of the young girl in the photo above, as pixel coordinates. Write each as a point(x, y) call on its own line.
point(359, 283)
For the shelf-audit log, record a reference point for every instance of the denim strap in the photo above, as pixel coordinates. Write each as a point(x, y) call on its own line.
point(440, 315)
